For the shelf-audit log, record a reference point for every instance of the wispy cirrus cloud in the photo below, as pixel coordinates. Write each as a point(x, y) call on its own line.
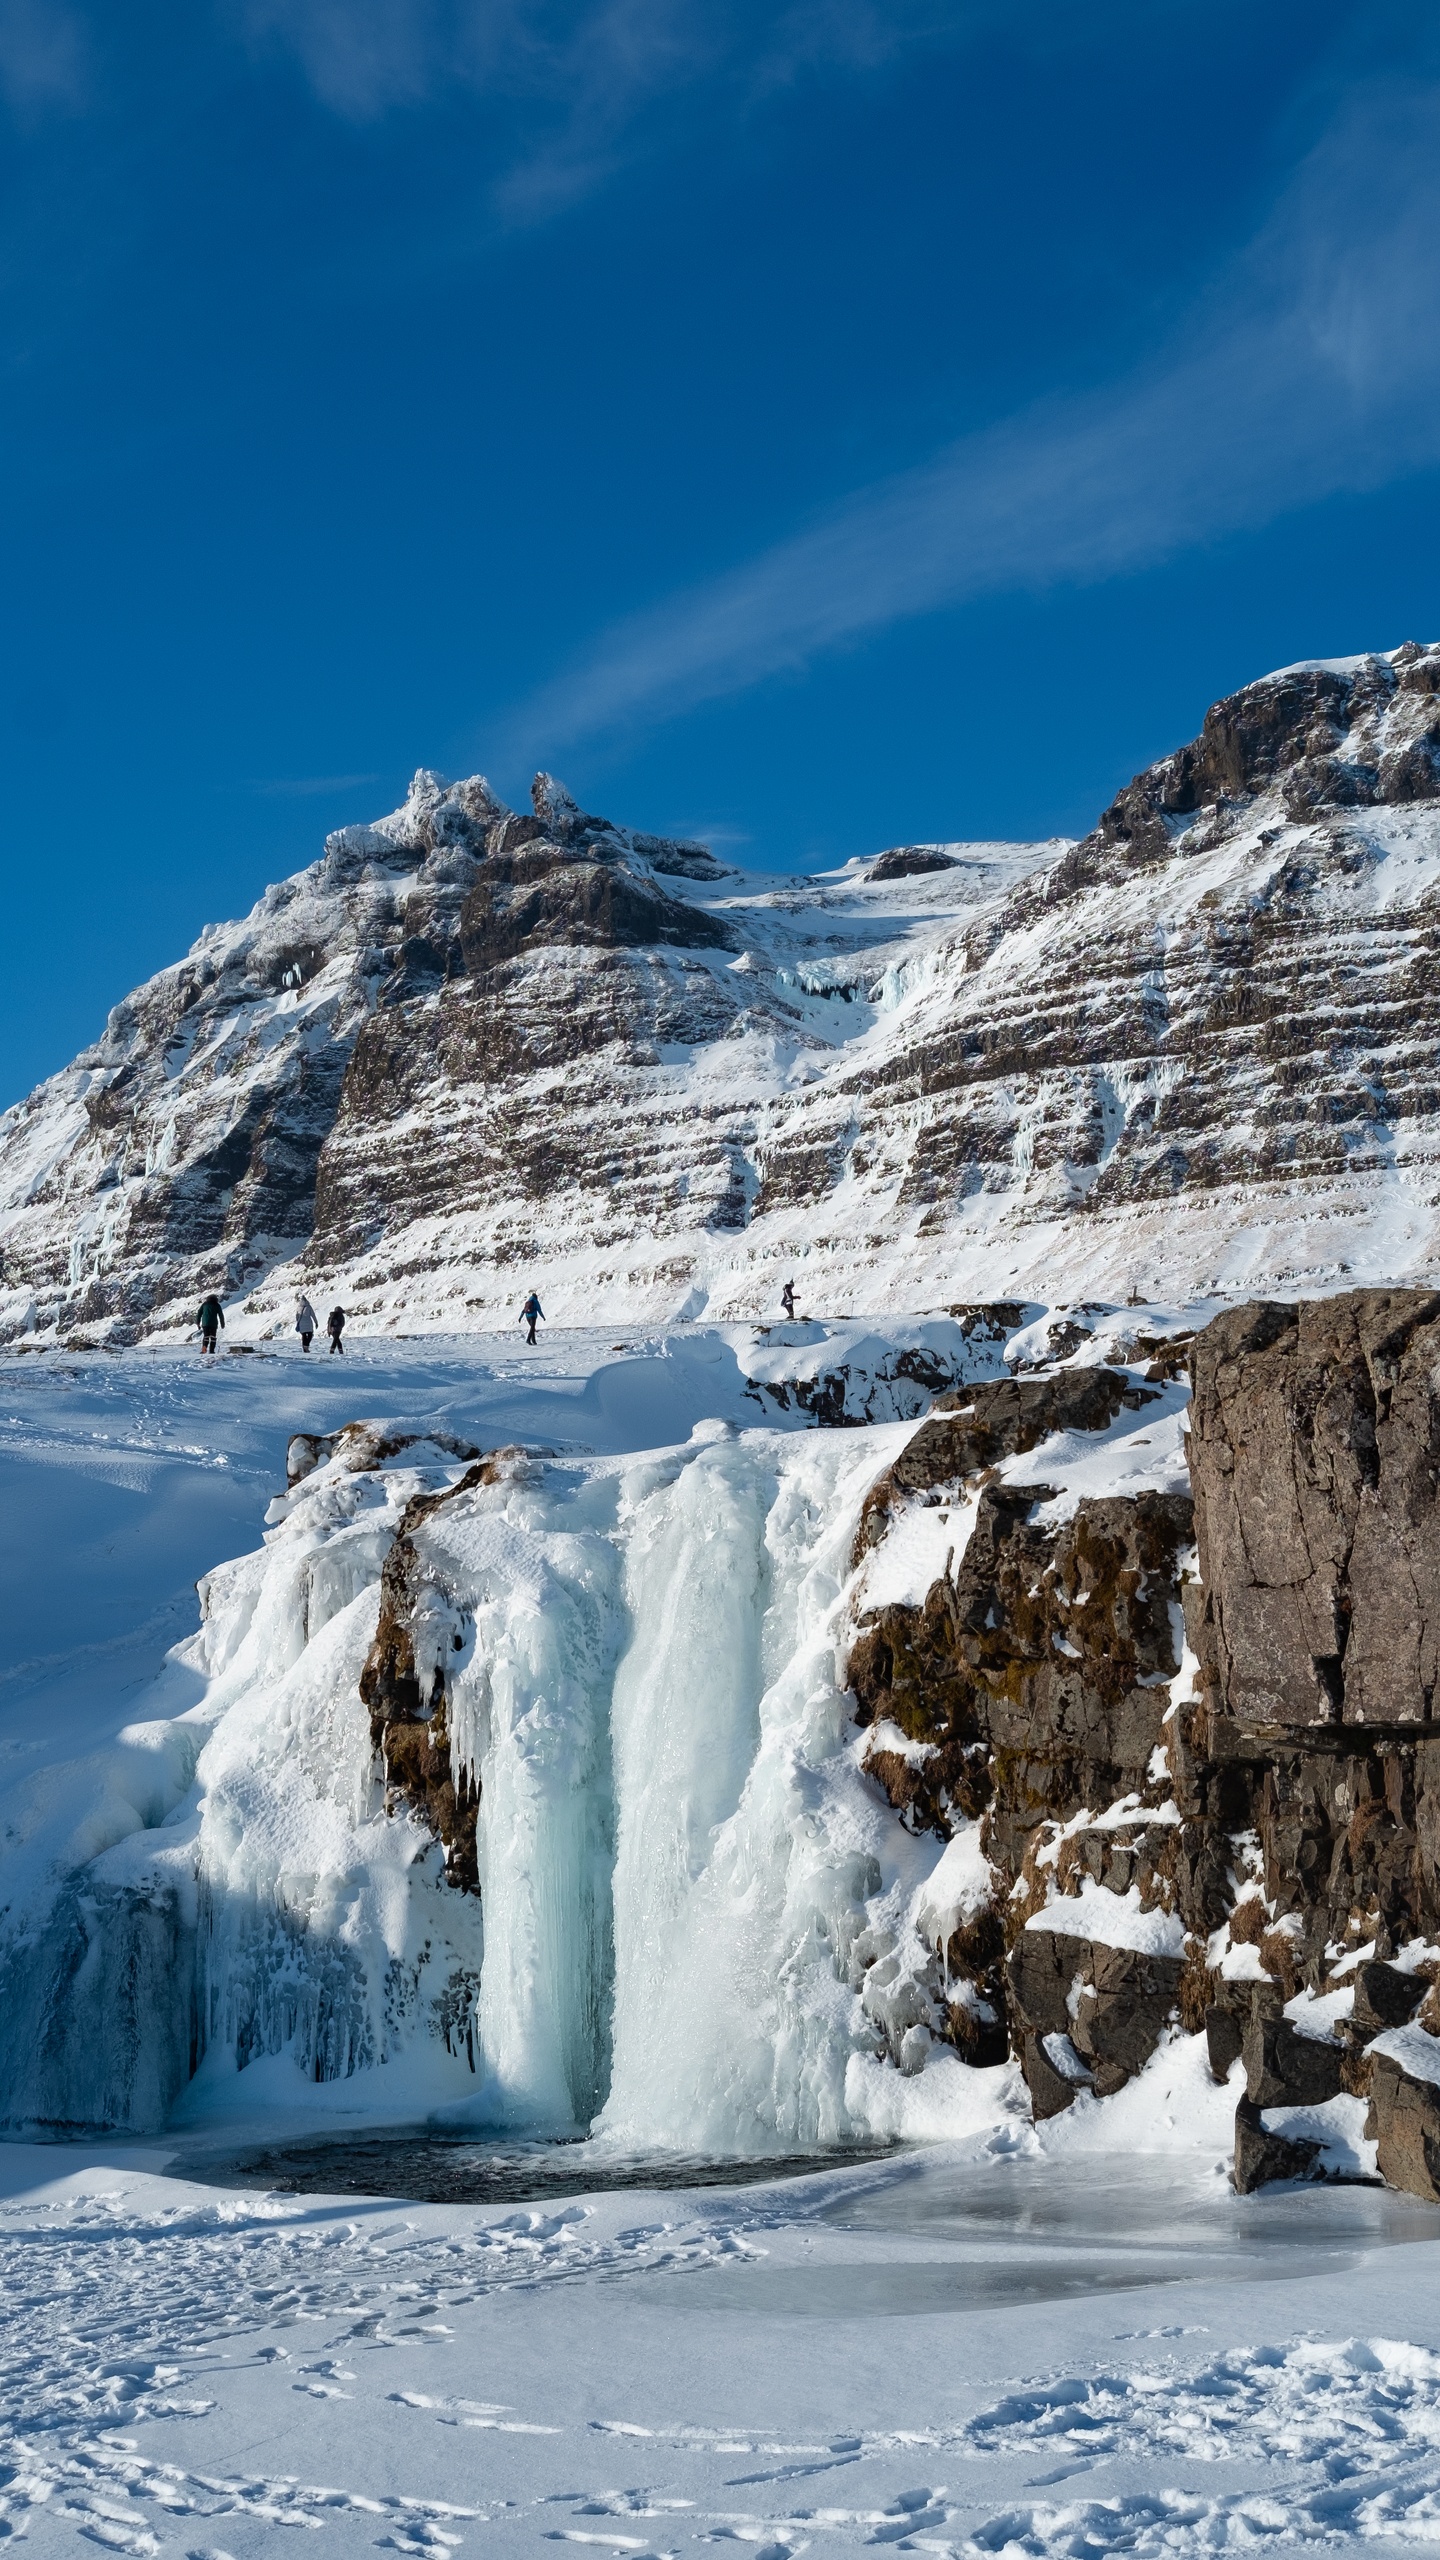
point(44, 56)
point(313, 786)
point(589, 69)
point(364, 57)
point(1313, 368)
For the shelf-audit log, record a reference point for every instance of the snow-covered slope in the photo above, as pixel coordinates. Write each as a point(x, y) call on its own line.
point(470, 1050)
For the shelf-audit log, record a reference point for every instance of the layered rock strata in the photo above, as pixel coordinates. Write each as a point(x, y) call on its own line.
point(1193, 1053)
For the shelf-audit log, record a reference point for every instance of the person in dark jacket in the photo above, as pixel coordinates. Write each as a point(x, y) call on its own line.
point(530, 1313)
point(335, 1326)
point(306, 1323)
point(210, 1319)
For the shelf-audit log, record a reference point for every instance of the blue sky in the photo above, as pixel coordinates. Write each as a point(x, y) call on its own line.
point(816, 425)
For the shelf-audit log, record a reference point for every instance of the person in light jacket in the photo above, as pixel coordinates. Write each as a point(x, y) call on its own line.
point(307, 1323)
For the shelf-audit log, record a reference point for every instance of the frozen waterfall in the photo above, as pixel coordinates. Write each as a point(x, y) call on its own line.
point(698, 1926)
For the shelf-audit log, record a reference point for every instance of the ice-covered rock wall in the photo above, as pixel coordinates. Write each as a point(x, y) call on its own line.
point(696, 1922)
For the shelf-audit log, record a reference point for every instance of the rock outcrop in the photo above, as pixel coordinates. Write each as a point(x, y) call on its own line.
point(1404, 2081)
point(965, 1433)
point(404, 1683)
point(1028, 1691)
point(1315, 1435)
point(1245, 1840)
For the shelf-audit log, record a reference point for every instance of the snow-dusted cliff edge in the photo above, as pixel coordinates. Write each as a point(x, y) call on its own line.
point(469, 1049)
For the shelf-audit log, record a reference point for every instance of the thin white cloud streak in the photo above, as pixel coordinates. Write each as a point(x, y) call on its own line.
point(313, 786)
point(43, 56)
point(363, 57)
point(591, 69)
point(1314, 370)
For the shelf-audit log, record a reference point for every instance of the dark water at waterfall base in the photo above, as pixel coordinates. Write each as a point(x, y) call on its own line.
point(429, 2167)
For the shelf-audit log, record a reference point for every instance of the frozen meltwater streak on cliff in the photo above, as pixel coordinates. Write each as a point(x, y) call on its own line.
point(696, 1924)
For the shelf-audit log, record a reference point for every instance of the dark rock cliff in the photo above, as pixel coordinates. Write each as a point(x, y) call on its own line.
point(1266, 1810)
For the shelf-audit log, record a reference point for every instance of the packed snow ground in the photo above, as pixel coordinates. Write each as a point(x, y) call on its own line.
point(1016, 2346)
point(1071, 2341)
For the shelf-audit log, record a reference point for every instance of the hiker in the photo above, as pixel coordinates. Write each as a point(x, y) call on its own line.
point(529, 1313)
point(307, 1323)
point(335, 1326)
point(787, 1300)
point(210, 1319)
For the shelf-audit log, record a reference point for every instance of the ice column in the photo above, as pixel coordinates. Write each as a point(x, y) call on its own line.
point(685, 1710)
point(531, 1715)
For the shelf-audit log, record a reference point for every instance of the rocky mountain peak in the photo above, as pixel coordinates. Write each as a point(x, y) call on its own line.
point(1346, 733)
point(560, 812)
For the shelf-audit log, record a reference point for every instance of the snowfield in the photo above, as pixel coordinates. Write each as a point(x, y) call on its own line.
point(991, 2338)
point(953, 2352)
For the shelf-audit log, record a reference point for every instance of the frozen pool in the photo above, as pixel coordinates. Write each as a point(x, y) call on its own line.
point(430, 2167)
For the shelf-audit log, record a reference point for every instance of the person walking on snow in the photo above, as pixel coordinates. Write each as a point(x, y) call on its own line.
point(529, 1313)
point(787, 1300)
point(210, 1319)
point(307, 1323)
point(335, 1326)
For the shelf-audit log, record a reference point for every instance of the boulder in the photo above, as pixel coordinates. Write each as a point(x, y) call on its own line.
point(1385, 1997)
point(1224, 2038)
point(1054, 2074)
point(1404, 2118)
point(1113, 2003)
point(1286, 2069)
point(1262, 2157)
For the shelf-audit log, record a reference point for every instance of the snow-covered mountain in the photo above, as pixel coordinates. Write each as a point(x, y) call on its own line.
point(471, 1049)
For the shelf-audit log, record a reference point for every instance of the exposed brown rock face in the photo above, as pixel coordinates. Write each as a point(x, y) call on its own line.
point(1297, 1809)
point(1111, 2003)
point(907, 861)
point(1034, 1680)
point(408, 1724)
point(971, 1428)
point(1038, 1674)
point(1315, 1438)
point(1331, 737)
point(1405, 2126)
point(1316, 1461)
point(525, 900)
